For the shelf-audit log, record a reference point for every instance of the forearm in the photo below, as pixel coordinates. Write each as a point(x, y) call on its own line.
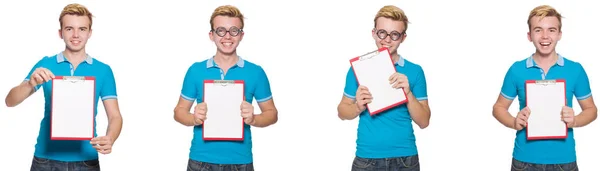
point(184, 117)
point(265, 119)
point(505, 118)
point(419, 113)
point(18, 94)
point(586, 117)
point(115, 124)
point(348, 111)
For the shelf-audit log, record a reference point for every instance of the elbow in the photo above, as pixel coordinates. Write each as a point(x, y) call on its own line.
point(341, 115)
point(175, 115)
point(275, 118)
point(424, 124)
point(495, 110)
point(9, 103)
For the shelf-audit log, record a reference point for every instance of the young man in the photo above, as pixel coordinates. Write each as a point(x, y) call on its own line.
point(75, 29)
point(227, 24)
point(386, 140)
point(545, 32)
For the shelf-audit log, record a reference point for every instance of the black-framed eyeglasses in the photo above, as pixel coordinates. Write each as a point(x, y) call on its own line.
point(221, 31)
point(394, 35)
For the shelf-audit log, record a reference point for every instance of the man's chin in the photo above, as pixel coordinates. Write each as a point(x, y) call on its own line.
point(227, 52)
point(75, 49)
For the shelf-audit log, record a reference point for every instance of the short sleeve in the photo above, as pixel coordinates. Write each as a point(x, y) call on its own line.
point(582, 86)
point(419, 89)
point(188, 90)
point(509, 88)
point(351, 85)
point(109, 87)
point(263, 89)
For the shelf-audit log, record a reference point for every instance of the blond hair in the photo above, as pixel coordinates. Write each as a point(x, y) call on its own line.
point(544, 11)
point(229, 11)
point(75, 9)
point(394, 13)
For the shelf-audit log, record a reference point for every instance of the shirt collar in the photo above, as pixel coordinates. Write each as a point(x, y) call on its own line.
point(559, 62)
point(400, 61)
point(61, 58)
point(211, 62)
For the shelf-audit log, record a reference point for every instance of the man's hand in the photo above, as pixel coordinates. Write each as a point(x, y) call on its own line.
point(247, 112)
point(200, 113)
point(363, 97)
point(400, 81)
point(521, 119)
point(40, 76)
point(102, 144)
point(568, 116)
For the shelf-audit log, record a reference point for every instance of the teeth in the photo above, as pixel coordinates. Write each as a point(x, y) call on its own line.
point(545, 44)
point(227, 44)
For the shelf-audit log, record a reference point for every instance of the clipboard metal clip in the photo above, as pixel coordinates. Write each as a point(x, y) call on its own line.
point(223, 82)
point(545, 82)
point(73, 79)
point(369, 55)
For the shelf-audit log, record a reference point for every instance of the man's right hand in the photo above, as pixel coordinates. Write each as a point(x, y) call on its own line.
point(40, 76)
point(521, 119)
point(200, 113)
point(363, 97)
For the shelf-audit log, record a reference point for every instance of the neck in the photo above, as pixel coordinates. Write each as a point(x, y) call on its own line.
point(395, 57)
point(226, 60)
point(75, 57)
point(545, 60)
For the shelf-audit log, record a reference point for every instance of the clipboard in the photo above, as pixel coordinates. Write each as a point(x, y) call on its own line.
point(72, 108)
point(223, 117)
point(373, 70)
point(545, 99)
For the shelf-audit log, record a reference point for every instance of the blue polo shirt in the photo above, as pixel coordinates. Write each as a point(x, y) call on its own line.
point(390, 133)
point(256, 86)
point(71, 150)
point(577, 84)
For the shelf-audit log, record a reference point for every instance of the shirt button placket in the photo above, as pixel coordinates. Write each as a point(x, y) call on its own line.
point(72, 71)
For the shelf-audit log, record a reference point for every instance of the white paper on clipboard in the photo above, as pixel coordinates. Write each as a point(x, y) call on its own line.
point(223, 118)
point(545, 99)
point(72, 114)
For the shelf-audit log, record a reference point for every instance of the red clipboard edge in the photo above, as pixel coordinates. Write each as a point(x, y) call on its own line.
point(93, 110)
point(546, 137)
point(243, 124)
point(390, 106)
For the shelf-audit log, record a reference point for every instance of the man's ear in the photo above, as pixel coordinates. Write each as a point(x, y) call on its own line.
point(241, 36)
point(373, 34)
point(402, 38)
point(60, 35)
point(529, 36)
point(210, 36)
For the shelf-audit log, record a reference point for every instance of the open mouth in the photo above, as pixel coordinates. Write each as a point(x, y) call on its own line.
point(545, 44)
point(227, 44)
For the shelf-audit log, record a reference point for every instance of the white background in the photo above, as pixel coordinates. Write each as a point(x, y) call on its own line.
point(464, 47)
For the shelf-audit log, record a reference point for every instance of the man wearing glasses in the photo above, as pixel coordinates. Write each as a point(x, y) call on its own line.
point(386, 141)
point(226, 31)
